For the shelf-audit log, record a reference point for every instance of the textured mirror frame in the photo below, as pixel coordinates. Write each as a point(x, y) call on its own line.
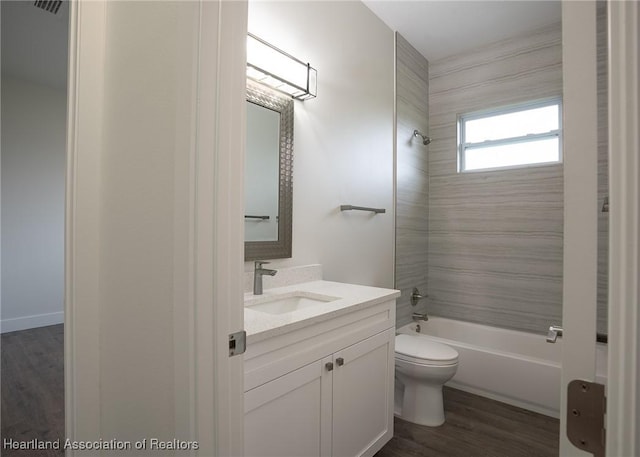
point(280, 249)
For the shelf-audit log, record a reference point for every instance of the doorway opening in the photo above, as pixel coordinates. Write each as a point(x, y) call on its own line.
point(34, 107)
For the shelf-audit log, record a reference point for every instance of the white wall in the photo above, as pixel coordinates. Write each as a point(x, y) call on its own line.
point(33, 173)
point(343, 139)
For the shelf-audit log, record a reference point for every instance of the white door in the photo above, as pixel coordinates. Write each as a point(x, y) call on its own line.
point(580, 143)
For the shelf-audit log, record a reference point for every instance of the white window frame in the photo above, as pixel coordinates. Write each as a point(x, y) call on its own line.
point(463, 145)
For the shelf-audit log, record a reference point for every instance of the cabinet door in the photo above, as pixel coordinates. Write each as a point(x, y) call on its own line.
point(363, 396)
point(291, 415)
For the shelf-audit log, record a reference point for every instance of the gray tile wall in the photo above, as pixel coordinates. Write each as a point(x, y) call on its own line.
point(495, 238)
point(412, 179)
point(489, 244)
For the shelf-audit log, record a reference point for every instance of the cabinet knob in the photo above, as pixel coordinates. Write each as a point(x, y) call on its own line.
point(339, 361)
point(329, 366)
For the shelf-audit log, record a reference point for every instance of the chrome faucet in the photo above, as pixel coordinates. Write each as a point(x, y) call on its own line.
point(257, 276)
point(415, 297)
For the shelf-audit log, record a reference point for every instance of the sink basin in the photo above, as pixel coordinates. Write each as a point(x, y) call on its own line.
point(287, 303)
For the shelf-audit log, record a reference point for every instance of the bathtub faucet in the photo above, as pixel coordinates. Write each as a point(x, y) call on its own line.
point(554, 333)
point(420, 317)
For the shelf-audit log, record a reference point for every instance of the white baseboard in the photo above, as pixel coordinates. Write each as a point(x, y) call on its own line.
point(27, 322)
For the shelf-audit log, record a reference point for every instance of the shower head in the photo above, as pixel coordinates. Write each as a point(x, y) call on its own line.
point(425, 139)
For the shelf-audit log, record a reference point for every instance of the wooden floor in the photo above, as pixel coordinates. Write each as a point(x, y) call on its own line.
point(477, 427)
point(32, 388)
point(33, 407)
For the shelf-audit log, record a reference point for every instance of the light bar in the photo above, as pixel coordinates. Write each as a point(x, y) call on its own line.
point(269, 65)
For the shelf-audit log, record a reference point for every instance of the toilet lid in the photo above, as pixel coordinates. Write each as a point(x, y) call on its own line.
point(419, 347)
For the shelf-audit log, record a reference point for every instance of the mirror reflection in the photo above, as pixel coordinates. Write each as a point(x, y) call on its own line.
point(261, 174)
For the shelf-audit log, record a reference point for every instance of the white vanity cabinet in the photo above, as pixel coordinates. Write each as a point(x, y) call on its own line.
point(322, 390)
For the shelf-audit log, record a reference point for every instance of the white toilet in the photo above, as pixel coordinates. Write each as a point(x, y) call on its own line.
point(422, 368)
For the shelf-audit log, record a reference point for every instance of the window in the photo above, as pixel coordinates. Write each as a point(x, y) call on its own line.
point(511, 137)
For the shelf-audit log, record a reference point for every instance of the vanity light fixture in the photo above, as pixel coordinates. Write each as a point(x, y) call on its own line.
point(275, 68)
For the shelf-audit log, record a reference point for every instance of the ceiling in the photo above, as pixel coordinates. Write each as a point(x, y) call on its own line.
point(34, 43)
point(439, 29)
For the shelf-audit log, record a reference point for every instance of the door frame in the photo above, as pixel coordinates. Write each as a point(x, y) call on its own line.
point(82, 220)
point(215, 273)
point(219, 226)
point(623, 395)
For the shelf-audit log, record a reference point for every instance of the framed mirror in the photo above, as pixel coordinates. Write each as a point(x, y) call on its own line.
point(268, 174)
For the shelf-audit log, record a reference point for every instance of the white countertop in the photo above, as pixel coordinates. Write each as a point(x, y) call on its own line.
point(260, 325)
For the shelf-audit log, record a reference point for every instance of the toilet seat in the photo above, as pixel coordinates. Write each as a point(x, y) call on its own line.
point(423, 351)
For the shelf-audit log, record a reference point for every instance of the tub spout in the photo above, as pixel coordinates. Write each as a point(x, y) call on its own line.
point(420, 317)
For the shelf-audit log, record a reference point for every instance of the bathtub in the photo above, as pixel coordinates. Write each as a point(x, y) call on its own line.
point(510, 366)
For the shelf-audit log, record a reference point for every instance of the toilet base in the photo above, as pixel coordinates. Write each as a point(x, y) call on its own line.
point(421, 391)
point(421, 404)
